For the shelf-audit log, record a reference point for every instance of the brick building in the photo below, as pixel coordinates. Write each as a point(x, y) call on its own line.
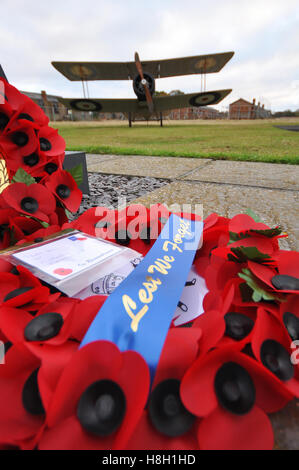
point(243, 109)
point(201, 112)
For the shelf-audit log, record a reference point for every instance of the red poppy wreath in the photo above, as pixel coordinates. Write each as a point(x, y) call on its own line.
point(216, 382)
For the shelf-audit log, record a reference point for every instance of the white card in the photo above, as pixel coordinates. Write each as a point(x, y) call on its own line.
point(107, 284)
point(67, 256)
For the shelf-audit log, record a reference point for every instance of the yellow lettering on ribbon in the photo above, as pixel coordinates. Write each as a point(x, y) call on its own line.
point(129, 304)
point(146, 295)
point(173, 245)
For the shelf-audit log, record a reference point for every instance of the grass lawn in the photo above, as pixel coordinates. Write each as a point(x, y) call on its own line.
point(233, 140)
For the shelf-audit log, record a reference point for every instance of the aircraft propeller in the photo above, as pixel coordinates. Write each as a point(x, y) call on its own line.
point(144, 83)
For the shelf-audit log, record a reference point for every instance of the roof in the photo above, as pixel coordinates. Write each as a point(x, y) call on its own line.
point(242, 100)
point(38, 96)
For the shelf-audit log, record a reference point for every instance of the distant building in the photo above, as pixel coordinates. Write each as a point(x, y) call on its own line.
point(49, 104)
point(200, 112)
point(242, 109)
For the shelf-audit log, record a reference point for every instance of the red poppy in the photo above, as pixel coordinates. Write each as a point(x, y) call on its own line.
point(33, 163)
point(58, 217)
point(98, 400)
point(84, 313)
point(12, 95)
point(22, 226)
point(166, 423)
point(142, 228)
point(39, 235)
point(22, 413)
point(50, 325)
point(34, 200)
point(50, 142)
point(212, 238)
point(6, 112)
point(285, 277)
point(219, 272)
point(22, 289)
point(52, 164)
point(19, 140)
point(95, 221)
point(5, 232)
point(30, 111)
point(271, 345)
point(64, 187)
point(5, 266)
point(232, 393)
point(242, 223)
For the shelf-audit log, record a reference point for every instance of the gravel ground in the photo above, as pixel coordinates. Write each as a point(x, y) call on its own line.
point(106, 190)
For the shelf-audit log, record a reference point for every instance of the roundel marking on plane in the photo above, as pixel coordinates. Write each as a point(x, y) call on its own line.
point(85, 105)
point(204, 65)
point(203, 99)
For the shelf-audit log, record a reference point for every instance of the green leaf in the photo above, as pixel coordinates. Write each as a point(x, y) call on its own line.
point(77, 173)
point(68, 214)
point(235, 237)
point(258, 292)
point(241, 254)
point(270, 232)
point(22, 176)
point(253, 215)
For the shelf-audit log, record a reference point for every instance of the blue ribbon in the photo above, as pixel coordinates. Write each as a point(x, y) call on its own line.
point(137, 315)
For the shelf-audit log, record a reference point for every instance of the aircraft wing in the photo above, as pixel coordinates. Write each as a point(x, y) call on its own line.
point(102, 105)
point(77, 71)
point(161, 103)
point(206, 98)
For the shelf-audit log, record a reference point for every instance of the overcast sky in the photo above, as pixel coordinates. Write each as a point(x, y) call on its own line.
point(263, 33)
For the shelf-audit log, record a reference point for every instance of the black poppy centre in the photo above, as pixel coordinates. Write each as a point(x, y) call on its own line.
point(20, 138)
point(234, 388)
point(122, 237)
point(43, 327)
point(285, 282)
point(29, 204)
point(101, 408)
point(26, 116)
point(291, 323)
point(4, 120)
point(63, 191)
point(51, 168)
point(31, 397)
point(45, 144)
point(16, 292)
point(238, 326)
point(277, 359)
point(31, 160)
point(166, 410)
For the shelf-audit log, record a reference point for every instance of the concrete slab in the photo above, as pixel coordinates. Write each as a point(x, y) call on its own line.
point(267, 175)
point(156, 167)
point(275, 207)
point(94, 159)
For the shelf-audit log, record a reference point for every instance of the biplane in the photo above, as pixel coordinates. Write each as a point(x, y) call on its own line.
point(143, 74)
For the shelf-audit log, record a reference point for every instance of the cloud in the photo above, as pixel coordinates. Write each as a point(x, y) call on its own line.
point(263, 34)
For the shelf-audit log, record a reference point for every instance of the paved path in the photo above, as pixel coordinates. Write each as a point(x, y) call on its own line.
point(225, 187)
